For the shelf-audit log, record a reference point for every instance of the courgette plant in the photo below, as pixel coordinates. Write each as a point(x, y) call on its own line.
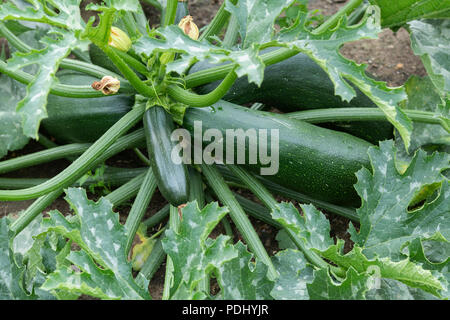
point(130, 86)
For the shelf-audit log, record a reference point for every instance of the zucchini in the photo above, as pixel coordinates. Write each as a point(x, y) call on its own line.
point(298, 83)
point(172, 179)
point(72, 120)
point(100, 58)
point(315, 161)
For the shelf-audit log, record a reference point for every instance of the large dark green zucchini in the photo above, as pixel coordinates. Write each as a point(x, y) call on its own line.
point(172, 179)
point(299, 83)
point(315, 161)
point(83, 120)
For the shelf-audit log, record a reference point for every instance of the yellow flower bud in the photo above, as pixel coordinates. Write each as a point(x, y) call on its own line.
point(119, 40)
point(189, 27)
point(108, 85)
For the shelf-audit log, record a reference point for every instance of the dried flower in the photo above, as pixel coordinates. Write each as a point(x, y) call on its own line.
point(119, 40)
point(189, 27)
point(108, 85)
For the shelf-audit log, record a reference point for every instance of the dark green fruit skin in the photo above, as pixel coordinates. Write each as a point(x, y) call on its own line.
point(172, 179)
point(315, 161)
point(298, 83)
point(72, 120)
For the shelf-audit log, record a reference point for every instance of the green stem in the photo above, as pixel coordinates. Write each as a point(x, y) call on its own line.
point(257, 211)
point(333, 20)
point(43, 157)
point(219, 21)
point(134, 80)
point(46, 142)
point(130, 24)
point(152, 264)
point(62, 90)
point(216, 73)
point(142, 157)
point(139, 207)
point(259, 190)
point(81, 165)
point(170, 13)
point(240, 219)
point(126, 191)
point(134, 63)
point(155, 219)
point(196, 100)
point(362, 114)
point(174, 224)
point(348, 213)
point(154, 3)
point(232, 33)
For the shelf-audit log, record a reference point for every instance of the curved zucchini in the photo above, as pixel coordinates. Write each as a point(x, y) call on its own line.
point(315, 161)
point(75, 120)
point(298, 83)
point(172, 179)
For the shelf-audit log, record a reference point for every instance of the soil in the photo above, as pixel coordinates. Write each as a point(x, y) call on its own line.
point(389, 58)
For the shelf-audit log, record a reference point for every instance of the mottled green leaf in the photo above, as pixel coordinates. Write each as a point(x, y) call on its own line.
point(324, 48)
point(33, 106)
point(431, 41)
point(68, 16)
point(100, 34)
point(256, 18)
point(398, 12)
point(295, 274)
point(194, 256)
point(405, 271)
point(312, 227)
point(125, 5)
point(11, 132)
point(386, 222)
point(174, 40)
point(422, 95)
point(242, 279)
point(102, 240)
point(324, 287)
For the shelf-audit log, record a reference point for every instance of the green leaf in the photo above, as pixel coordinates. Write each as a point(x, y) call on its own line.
point(242, 279)
point(324, 48)
point(11, 274)
point(422, 95)
point(398, 12)
point(405, 271)
point(102, 240)
point(386, 222)
point(174, 40)
point(194, 256)
point(68, 17)
point(295, 274)
point(100, 34)
point(11, 132)
point(431, 41)
point(125, 5)
point(312, 227)
point(324, 287)
point(256, 18)
point(33, 106)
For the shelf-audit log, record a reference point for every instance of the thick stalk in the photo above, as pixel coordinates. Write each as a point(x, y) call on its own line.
point(152, 264)
point(216, 73)
point(126, 191)
point(82, 164)
point(134, 63)
point(232, 33)
point(195, 100)
point(134, 80)
point(240, 219)
point(333, 20)
point(43, 157)
point(170, 12)
point(139, 207)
